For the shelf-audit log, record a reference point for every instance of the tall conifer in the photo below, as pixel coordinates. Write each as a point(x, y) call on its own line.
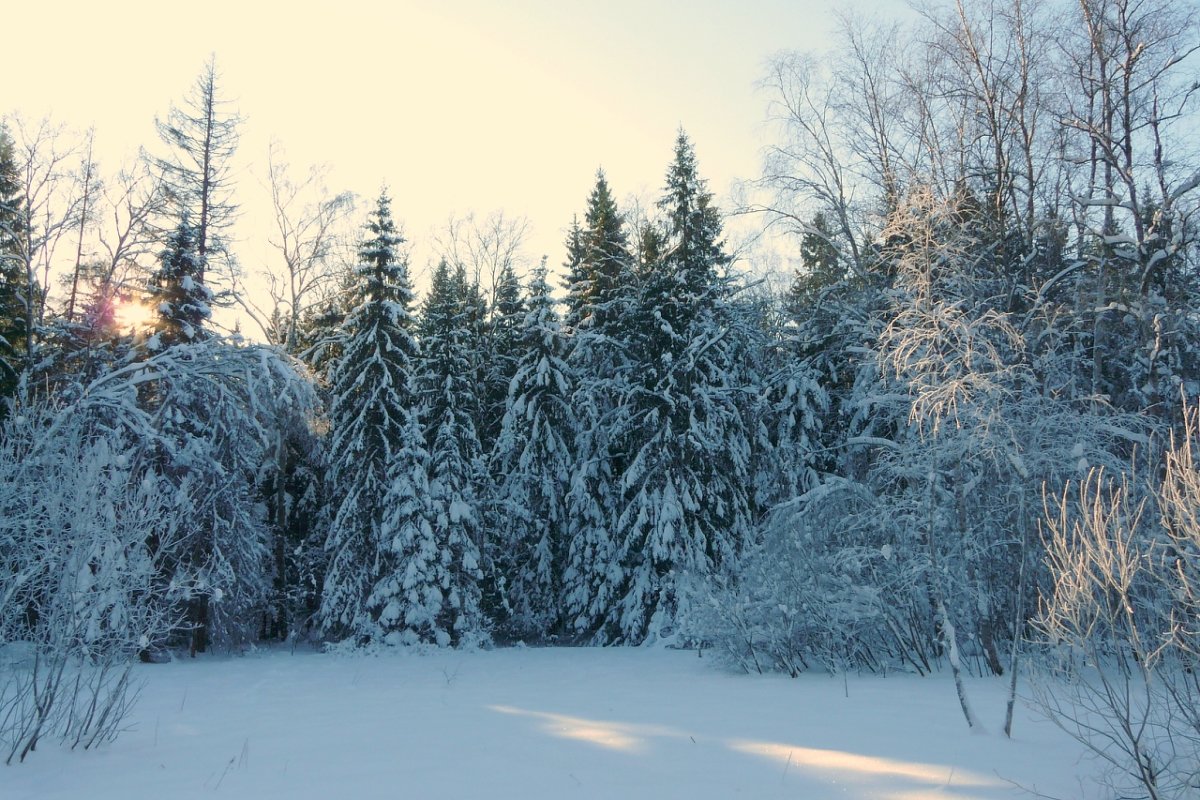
point(371, 419)
point(456, 471)
point(533, 462)
point(12, 308)
point(683, 510)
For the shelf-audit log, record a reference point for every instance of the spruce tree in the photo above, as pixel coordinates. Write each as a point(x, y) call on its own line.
point(684, 507)
point(406, 602)
point(576, 280)
point(598, 306)
point(371, 420)
point(224, 417)
point(322, 328)
point(178, 291)
point(12, 307)
point(453, 606)
point(533, 462)
point(599, 262)
point(500, 355)
point(819, 265)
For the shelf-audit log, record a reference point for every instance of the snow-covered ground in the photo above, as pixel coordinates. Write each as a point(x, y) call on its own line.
point(549, 723)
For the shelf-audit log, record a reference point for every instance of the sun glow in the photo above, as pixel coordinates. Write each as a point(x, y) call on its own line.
point(132, 315)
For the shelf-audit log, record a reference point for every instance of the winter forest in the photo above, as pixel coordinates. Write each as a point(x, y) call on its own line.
point(955, 434)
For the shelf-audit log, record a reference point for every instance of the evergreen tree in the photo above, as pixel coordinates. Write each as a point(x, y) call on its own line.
point(576, 280)
point(454, 581)
point(684, 504)
point(694, 251)
point(649, 250)
point(819, 260)
point(598, 312)
point(533, 461)
point(12, 306)
point(793, 391)
point(321, 332)
point(178, 292)
point(501, 354)
point(406, 602)
point(604, 262)
point(371, 416)
point(211, 445)
point(298, 513)
point(792, 407)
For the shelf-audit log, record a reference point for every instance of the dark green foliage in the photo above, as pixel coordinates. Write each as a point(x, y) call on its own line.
point(576, 280)
point(820, 267)
point(532, 466)
point(13, 325)
point(373, 401)
point(684, 504)
point(662, 495)
point(501, 354)
point(600, 263)
point(178, 292)
point(457, 476)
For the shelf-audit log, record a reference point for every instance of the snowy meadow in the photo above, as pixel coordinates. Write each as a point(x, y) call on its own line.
point(552, 723)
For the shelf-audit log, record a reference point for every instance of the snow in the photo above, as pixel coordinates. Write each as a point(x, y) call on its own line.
point(549, 723)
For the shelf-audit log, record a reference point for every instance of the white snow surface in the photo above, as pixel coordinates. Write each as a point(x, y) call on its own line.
point(549, 723)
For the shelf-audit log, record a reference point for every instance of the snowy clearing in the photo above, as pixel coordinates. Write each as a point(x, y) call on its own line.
point(549, 723)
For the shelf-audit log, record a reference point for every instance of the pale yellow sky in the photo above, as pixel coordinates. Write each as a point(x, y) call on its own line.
point(457, 106)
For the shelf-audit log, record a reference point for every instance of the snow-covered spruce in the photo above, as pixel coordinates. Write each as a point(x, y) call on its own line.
point(456, 549)
point(372, 421)
point(532, 464)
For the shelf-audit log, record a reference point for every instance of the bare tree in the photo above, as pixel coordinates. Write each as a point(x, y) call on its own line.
point(1126, 124)
point(126, 234)
point(1097, 556)
point(1133, 92)
point(89, 184)
point(996, 62)
point(953, 358)
point(1120, 615)
point(51, 200)
point(810, 166)
point(485, 248)
point(311, 238)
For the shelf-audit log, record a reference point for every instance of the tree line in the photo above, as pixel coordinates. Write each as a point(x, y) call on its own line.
point(960, 436)
point(497, 462)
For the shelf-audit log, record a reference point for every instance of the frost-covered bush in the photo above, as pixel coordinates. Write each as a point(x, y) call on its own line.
point(218, 420)
point(133, 516)
point(1120, 619)
point(816, 593)
point(84, 528)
